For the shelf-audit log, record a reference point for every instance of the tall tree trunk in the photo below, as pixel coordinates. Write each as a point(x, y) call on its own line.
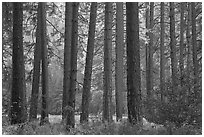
point(150, 57)
point(73, 76)
point(173, 50)
point(44, 111)
point(133, 63)
point(162, 78)
point(88, 68)
point(36, 71)
point(67, 58)
point(119, 83)
point(182, 5)
point(18, 92)
point(194, 43)
point(107, 63)
point(188, 47)
point(147, 24)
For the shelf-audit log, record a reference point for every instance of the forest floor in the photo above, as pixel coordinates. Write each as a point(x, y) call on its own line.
point(93, 127)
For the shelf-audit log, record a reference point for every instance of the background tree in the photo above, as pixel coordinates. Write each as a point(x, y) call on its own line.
point(119, 83)
point(67, 57)
point(162, 77)
point(194, 44)
point(43, 32)
point(182, 5)
point(88, 67)
point(173, 49)
point(133, 63)
point(36, 70)
point(107, 95)
point(150, 51)
point(18, 112)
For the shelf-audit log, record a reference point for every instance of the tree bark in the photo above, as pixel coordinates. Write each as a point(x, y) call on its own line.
point(44, 111)
point(36, 72)
point(119, 83)
point(194, 44)
point(188, 47)
point(107, 63)
point(89, 62)
point(182, 5)
point(173, 49)
point(147, 24)
point(133, 63)
point(67, 58)
point(162, 77)
point(73, 76)
point(18, 92)
point(150, 61)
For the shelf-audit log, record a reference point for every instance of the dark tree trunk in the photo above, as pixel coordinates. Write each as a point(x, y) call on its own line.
point(107, 116)
point(67, 58)
point(119, 83)
point(18, 92)
point(182, 5)
point(88, 68)
point(173, 50)
point(36, 72)
point(44, 111)
point(133, 63)
point(73, 75)
point(150, 57)
point(162, 77)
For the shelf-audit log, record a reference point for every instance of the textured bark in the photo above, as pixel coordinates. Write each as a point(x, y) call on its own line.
point(67, 57)
point(133, 63)
point(73, 76)
point(119, 83)
point(194, 44)
point(36, 72)
point(88, 68)
point(162, 77)
point(173, 49)
point(181, 61)
point(44, 111)
point(188, 47)
point(18, 92)
point(150, 57)
point(107, 63)
point(147, 24)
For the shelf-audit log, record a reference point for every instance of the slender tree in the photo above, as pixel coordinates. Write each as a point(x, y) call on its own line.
point(162, 78)
point(182, 5)
point(150, 52)
point(18, 92)
point(73, 75)
point(67, 57)
point(188, 46)
point(147, 48)
point(194, 44)
point(44, 111)
point(88, 67)
point(107, 63)
point(119, 83)
point(133, 63)
point(36, 71)
point(173, 48)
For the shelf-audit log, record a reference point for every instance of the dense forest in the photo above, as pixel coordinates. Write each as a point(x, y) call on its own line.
point(102, 68)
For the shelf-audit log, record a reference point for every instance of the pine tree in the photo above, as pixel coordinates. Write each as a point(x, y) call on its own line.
point(88, 68)
point(18, 112)
point(119, 83)
point(133, 63)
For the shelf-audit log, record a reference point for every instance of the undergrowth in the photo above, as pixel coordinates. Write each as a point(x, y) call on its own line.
point(94, 128)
